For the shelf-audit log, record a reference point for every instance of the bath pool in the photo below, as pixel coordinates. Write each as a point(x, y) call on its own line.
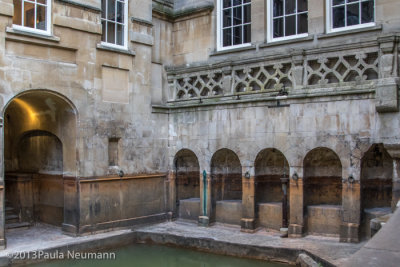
point(154, 255)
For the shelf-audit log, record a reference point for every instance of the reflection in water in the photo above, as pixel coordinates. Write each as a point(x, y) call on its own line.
point(157, 256)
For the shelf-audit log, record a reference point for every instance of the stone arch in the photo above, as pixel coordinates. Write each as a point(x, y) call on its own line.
point(39, 152)
point(187, 175)
point(270, 166)
point(322, 177)
point(43, 110)
point(322, 192)
point(226, 177)
point(376, 181)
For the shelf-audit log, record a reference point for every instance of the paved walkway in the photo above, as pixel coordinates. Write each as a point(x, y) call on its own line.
point(383, 249)
point(46, 237)
point(325, 248)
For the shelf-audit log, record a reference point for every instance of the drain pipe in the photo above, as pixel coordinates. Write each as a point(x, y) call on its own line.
point(204, 193)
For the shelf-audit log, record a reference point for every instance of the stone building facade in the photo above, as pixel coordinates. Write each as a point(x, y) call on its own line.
point(117, 113)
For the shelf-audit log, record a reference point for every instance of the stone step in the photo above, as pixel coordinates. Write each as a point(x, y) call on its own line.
point(18, 225)
point(12, 218)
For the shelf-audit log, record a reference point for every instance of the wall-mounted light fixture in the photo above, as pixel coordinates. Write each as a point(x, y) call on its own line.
point(295, 176)
point(351, 179)
point(247, 175)
point(121, 173)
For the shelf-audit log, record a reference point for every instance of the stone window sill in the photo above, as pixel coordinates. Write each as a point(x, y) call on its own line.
point(288, 41)
point(22, 33)
point(116, 50)
point(233, 50)
point(353, 31)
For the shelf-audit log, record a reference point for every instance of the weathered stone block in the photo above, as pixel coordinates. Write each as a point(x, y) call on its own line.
point(270, 215)
point(324, 220)
point(189, 209)
point(349, 232)
point(387, 96)
point(229, 211)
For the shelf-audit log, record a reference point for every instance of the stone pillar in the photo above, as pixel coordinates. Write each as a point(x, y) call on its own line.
point(387, 87)
point(248, 221)
point(351, 208)
point(394, 152)
point(71, 223)
point(2, 193)
point(396, 183)
point(296, 200)
point(205, 199)
point(171, 195)
point(227, 80)
point(298, 70)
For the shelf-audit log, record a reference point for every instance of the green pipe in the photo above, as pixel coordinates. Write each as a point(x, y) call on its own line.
point(204, 193)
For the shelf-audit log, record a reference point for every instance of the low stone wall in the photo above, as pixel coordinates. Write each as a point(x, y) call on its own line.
point(189, 209)
point(270, 215)
point(324, 220)
point(113, 202)
point(229, 211)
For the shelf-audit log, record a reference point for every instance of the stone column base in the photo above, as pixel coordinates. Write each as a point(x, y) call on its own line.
point(350, 232)
point(296, 230)
point(2, 244)
point(204, 221)
point(248, 225)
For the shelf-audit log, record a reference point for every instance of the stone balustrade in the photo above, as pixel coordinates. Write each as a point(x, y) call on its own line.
point(357, 66)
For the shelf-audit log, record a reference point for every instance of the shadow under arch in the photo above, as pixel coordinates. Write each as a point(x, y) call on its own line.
point(376, 182)
point(226, 179)
point(270, 166)
point(187, 186)
point(45, 121)
point(322, 191)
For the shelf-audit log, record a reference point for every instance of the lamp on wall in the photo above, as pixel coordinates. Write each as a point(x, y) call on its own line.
point(247, 175)
point(121, 173)
point(295, 176)
point(351, 179)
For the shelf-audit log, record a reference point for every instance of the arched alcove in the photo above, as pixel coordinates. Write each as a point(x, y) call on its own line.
point(322, 191)
point(376, 186)
point(39, 150)
point(270, 166)
point(226, 177)
point(187, 172)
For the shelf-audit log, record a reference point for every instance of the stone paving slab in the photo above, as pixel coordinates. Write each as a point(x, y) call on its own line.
point(383, 249)
point(49, 238)
point(326, 248)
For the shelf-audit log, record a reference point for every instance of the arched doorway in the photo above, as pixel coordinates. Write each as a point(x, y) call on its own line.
point(226, 177)
point(39, 151)
point(187, 172)
point(376, 186)
point(270, 166)
point(322, 192)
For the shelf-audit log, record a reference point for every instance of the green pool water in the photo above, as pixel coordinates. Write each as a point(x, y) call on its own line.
point(154, 256)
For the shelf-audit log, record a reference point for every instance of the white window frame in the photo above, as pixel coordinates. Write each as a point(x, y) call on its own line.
point(220, 46)
point(46, 32)
point(329, 26)
point(270, 26)
point(125, 45)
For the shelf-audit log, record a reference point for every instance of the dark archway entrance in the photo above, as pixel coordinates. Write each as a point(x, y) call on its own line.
point(376, 186)
point(187, 172)
point(226, 177)
point(39, 152)
point(322, 192)
point(270, 166)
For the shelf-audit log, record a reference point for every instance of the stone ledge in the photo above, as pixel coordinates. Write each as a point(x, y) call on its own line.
point(115, 50)
point(81, 5)
point(77, 24)
point(51, 38)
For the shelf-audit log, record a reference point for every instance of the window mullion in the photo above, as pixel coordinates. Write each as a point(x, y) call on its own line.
point(35, 15)
point(284, 18)
point(295, 11)
point(242, 19)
